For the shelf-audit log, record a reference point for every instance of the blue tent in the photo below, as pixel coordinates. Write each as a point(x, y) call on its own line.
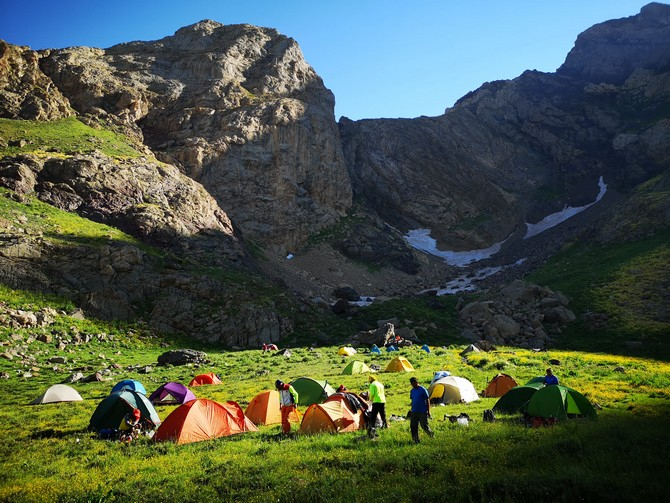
point(391, 348)
point(425, 348)
point(130, 384)
point(375, 349)
point(114, 407)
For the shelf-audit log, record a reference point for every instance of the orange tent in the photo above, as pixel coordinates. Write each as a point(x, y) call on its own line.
point(203, 419)
point(264, 409)
point(332, 416)
point(499, 385)
point(208, 378)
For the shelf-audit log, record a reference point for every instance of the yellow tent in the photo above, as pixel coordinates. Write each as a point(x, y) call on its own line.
point(346, 351)
point(399, 364)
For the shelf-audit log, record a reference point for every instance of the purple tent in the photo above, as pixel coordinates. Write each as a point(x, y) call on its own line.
point(171, 393)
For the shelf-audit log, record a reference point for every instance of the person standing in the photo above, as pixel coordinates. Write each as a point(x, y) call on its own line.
point(288, 402)
point(378, 399)
point(420, 410)
point(550, 378)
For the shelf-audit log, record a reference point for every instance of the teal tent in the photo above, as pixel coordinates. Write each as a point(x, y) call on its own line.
point(356, 367)
point(516, 399)
point(113, 408)
point(131, 384)
point(559, 402)
point(311, 391)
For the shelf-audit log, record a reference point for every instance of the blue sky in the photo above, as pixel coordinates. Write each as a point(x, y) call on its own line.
point(381, 58)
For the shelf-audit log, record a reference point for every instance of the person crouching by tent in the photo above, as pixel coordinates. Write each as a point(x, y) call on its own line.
point(288, 402)
point(378, 399)
point(550, 379)
point(129, 429)
point(420, 410)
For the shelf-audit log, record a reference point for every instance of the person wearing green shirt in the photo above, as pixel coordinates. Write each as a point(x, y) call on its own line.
point(378, 399)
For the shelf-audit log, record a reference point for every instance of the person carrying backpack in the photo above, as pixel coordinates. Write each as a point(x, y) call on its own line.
point(288, 402)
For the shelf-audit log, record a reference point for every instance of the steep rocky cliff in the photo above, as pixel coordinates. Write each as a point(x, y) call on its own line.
point(237, 108)
point(515, 151)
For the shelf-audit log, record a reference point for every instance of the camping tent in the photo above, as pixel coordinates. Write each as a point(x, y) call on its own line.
point(171, 393)
point(499, 385)
point(399, 364)
point(470, 349)
point(264, 409)
point(559, 402)
point(439, 375)
point(203, 419)
point(131, 384)
point(346, 351)
point(332, 416)
point(114, 407)
point(208, 378)
point(536, 380)
point(374, 349)
point(426, 348)
point(58, 393)
point(391, 348)
point(311, 391)
point(516, 399)
point(356, 367)
point(452, 389)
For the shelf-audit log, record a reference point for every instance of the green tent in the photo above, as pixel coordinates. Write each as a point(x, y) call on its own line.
point(311, 391)
point(516, 399)
point(559, 402)
point(113, 408)
point(356, 367)
point(536, 380)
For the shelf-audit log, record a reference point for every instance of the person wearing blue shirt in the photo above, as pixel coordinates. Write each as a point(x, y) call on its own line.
point(550, 378)
point(420, 410)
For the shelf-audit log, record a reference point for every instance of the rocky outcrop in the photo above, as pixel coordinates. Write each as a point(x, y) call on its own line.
point(236, 107)
point(153, 202)
point(519, 314)
point(610, 52)
point(25, 92)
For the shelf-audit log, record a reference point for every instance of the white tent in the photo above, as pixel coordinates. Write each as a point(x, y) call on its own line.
point(58, 393)
point(452, 389)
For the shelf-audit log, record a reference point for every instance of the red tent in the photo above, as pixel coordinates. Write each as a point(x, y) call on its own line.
point(208, 378)
point(203, 419)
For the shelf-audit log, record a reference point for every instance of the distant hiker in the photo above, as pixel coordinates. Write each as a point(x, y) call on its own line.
point(342, 389)
point(420, 410)
point(550, 378)
point(288, 402)
point(378, 399)
point(264, 347)
point(129, 428)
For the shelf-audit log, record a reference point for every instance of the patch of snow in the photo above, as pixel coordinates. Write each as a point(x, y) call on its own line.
point(421, 240)
point(556, 218)
point(362, 301)
point(466, 282)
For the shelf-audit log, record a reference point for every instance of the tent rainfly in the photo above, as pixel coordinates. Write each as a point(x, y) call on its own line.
point(114, 407)
point(311, 391)
point(171, 393)
point(559, 402)
point(452, 389)
point(399, 364)
point(130, 384)
point(356, 367)
point(203, 419)
point(499, 385)
point(346, 351)
point(332, 416)
point(264, 409)
point(208, 378)
point(516, 399)
point(58, 393)
point(375, 350)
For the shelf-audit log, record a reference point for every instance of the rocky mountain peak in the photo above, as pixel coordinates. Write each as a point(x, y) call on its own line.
point(609, 52)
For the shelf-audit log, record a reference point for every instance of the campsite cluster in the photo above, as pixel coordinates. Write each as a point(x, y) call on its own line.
point(325, 410)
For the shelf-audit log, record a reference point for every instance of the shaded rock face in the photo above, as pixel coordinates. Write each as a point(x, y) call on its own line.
point(518, 150)
point(25, 92)
point(236, 108)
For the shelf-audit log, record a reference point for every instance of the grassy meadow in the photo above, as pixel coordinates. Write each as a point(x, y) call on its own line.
point(49, 455)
